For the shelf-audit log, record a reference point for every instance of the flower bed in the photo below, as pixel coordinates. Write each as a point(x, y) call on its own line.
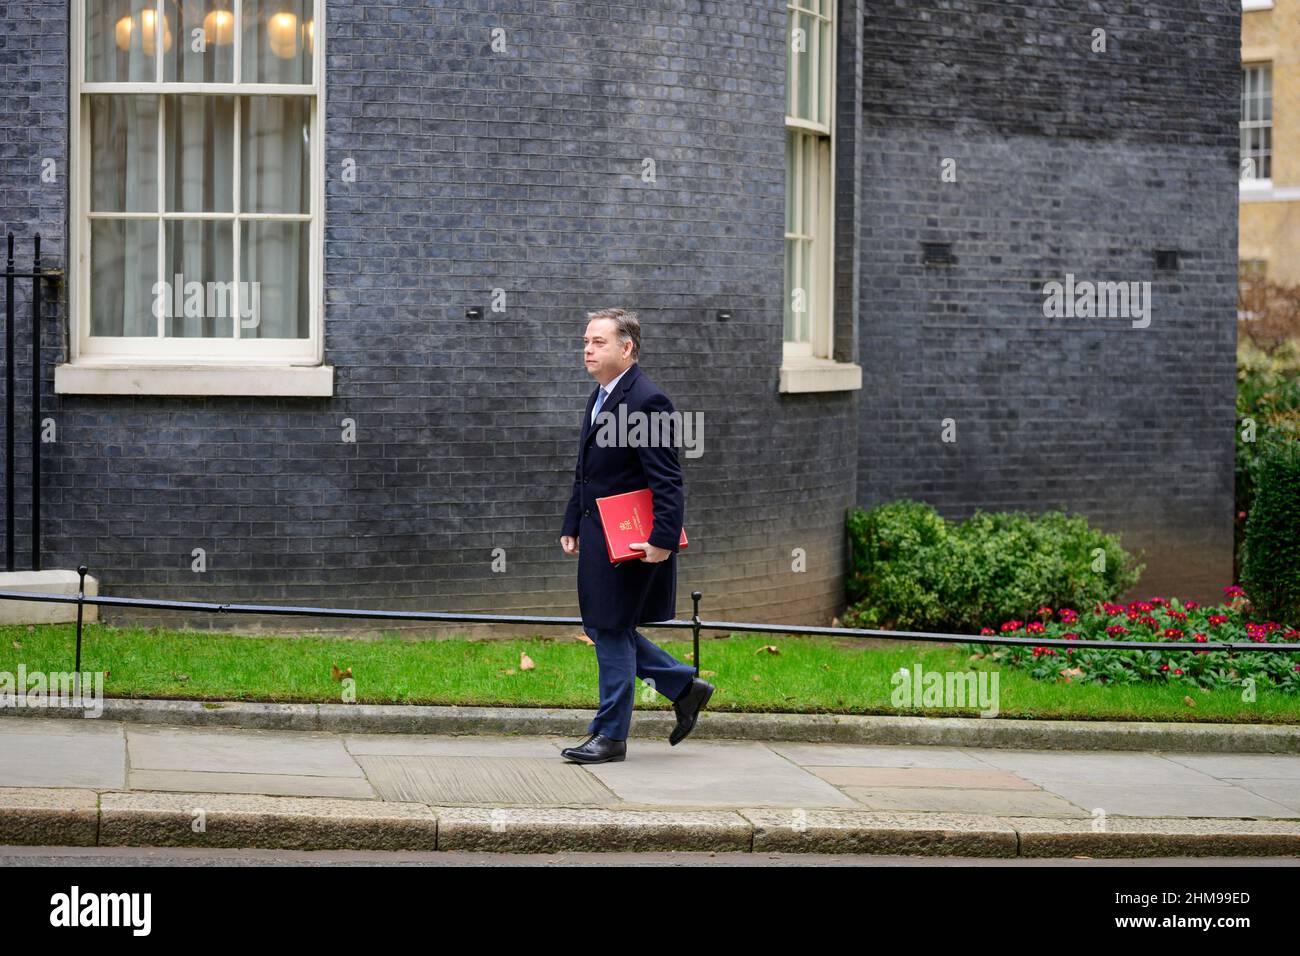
point(1183, 624)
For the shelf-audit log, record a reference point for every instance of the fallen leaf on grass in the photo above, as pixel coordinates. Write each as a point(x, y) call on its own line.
point(754, 677)
point(1071, 672)
point(337, 674)
point(585, 639)
point(181, 677)
point(507, 670)
point(708, 673)
point(770, 648)
point(1189, 702)
point(18, 645)
point(525, 662)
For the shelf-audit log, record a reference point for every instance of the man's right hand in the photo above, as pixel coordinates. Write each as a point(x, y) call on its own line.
point(569, 544)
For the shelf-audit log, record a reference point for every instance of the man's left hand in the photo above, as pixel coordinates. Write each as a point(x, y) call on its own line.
point(652, 554)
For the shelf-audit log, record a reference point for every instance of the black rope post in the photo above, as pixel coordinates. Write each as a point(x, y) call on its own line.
point(81, 597)
point(695, 626)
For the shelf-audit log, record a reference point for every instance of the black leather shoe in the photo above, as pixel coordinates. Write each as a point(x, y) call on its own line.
point(596, 749)
point(688, 708)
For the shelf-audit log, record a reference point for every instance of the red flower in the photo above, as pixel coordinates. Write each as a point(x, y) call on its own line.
point(1217, 619)
point(1178, 670)
point(1164, 667)
point(1150, 622)
point(1115, 630)
point(986, 630)
point(1233, 590)
point(1177, 615)
point(1190, 605)
point(1173, 633)
point(1035, 627)
point(1012, 626)
point(1044, 611)
point(1200, 638)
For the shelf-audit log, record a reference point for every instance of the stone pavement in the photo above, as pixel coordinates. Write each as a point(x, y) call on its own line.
point(106, 782)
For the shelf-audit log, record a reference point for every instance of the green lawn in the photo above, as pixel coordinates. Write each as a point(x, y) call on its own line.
point(808, 675)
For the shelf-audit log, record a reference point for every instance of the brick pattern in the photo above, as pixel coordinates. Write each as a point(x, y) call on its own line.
point(476, 171)
point(1067, 161)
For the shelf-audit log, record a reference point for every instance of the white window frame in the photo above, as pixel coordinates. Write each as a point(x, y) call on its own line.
point(1259, 184)
point(809, 366)
point(191, 365)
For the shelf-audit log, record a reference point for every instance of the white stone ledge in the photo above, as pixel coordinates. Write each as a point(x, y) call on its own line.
point(819, 375)
point(142, 378)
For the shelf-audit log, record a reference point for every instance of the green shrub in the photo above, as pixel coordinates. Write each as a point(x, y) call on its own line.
point(913, 570)
point(1268, 395)
point(1271, 562)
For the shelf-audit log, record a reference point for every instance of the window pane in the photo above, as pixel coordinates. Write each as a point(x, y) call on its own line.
point(790, 251)
point(273, 264)
point(123, 153)
point(198, 265)
point(121, 40)
point(279, 41)
point(200, 150)
point(210, 25)
point(123, 270)
point(275, 154)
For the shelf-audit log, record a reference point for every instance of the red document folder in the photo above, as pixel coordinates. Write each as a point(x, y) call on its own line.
point(627, 518)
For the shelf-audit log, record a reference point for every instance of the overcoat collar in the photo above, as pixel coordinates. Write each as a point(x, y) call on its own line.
point(615, 397)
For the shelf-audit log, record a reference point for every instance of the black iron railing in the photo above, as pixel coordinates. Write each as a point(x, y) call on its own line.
point(695, 624)
point(36, 275)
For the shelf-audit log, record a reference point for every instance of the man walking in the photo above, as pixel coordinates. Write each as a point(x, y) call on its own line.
point(614, 598)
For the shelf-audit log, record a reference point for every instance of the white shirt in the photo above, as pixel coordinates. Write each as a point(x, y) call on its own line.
point(609, 390)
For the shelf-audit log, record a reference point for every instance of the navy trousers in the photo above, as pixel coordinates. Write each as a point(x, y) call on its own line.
point(621, 656)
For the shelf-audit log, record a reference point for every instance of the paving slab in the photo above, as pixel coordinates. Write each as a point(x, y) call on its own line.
point(714, 774)
point(499, 781)
point(1232, 766)
point(872, 777)
point(849, 755)
point(285, 785)
point(1138, 837)
point(35, 816)
point(1138, 769)
point(1284, 792)
point(239, 751)
point(77, 758)
point(468, 745)
point(1162, 800)
point(238, 820)
point(59, 726)
point(860, 831)
point(1031, 803)
point(555, 830)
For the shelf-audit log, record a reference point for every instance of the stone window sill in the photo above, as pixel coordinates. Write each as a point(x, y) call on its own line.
point(160, 378)
point(819, 375)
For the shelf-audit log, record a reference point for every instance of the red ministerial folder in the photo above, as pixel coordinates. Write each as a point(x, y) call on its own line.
point(627, 518)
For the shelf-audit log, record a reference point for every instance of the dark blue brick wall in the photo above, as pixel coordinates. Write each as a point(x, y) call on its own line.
point(521, 171)
point(1073, 161)
point(477, 171)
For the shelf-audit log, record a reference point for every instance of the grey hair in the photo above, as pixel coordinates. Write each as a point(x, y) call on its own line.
point(628, 324)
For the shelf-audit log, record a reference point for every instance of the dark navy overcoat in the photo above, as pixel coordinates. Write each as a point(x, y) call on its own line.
point(631, 592)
